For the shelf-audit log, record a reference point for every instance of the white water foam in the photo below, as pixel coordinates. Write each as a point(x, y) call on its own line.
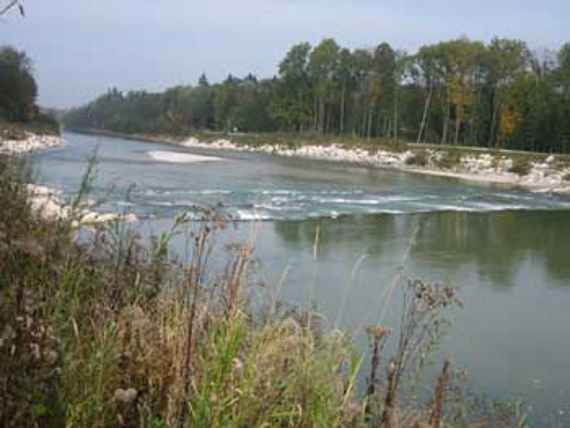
point(278, 208)
point(384, 211)
point(252, 216)
point(161, 203)
point(425, 207)
point(379, 200)
point(487, 206)
point(214, 192)
point(176, 157)
point(347, 201)
point(279, 192)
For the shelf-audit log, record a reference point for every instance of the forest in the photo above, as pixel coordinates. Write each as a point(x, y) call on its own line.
point(496, 95)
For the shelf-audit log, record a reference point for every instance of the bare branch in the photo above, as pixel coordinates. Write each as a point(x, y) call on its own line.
point(11, 4)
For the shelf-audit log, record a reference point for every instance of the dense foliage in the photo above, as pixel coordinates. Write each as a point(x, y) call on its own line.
point(235, 103)
point(18, 93)
point(18, 89)
point(496, 95)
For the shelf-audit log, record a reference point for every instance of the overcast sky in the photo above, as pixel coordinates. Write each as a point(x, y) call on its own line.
point(82, 47)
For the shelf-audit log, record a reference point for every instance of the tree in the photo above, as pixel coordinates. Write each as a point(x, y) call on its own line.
point(345, 78)
point(461, 91)
point(508, 59)
point(383, 89)
point(426, 72)
point(323, 65)
point(203, 81)
point(363, 65)
point(403, 67)
point(292, 105)
point(18, 89)
point(225, 99)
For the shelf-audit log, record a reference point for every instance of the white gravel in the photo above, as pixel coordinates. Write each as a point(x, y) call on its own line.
point(32, 143)
point(46, 202)
point(175, 157)
point(49, 205)
point(543, 177)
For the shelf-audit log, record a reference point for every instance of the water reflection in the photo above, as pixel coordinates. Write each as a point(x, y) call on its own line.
point(511, 269)
point(494, 244)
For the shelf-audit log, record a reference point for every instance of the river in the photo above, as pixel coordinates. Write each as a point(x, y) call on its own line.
point(506, 251)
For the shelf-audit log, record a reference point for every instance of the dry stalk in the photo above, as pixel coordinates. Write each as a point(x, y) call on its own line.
point(422, 318)
point(238, 268)
point(439, 396)
point(201, 254)
point(377, 335)
point(390, 414)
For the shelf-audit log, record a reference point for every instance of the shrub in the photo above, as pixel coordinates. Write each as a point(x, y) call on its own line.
point(521, 166)
point(418, 159)
point(44, 124)
point(449, 159)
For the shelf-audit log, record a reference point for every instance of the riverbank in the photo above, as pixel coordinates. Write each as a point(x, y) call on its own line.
point(48, 203)
point(534, 172)
point(29, 143)
point(538, 173)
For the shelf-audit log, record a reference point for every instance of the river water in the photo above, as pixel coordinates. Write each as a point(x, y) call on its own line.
point(506, 251)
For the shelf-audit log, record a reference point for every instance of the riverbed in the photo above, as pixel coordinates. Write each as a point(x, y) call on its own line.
point(506, 250)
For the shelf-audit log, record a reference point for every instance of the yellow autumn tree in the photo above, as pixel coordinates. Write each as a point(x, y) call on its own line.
point(462, 60)
point(508, 122)
point(460, 93)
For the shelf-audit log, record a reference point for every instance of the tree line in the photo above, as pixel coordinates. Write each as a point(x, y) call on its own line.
point(18, 93)
point(499, 94)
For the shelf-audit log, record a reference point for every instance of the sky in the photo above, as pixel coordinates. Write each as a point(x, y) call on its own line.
point(80, 48)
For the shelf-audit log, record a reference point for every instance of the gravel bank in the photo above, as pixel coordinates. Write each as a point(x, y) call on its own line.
point(547, 176)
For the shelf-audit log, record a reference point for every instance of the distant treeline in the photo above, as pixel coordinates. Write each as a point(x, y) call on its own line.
point(497, 95)
point(18, 93)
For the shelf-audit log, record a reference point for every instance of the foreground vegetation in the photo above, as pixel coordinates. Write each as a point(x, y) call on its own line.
point(106, 331)
point(461, 92)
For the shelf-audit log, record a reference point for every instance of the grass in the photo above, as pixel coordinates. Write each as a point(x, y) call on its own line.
point(113, 331)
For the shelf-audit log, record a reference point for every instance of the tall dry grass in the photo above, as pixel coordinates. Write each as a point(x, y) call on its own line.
point(113, 331)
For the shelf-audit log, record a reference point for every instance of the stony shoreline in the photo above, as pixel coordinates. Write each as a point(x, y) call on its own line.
point(32, 143)
point(46, 202)
point(547, 176)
